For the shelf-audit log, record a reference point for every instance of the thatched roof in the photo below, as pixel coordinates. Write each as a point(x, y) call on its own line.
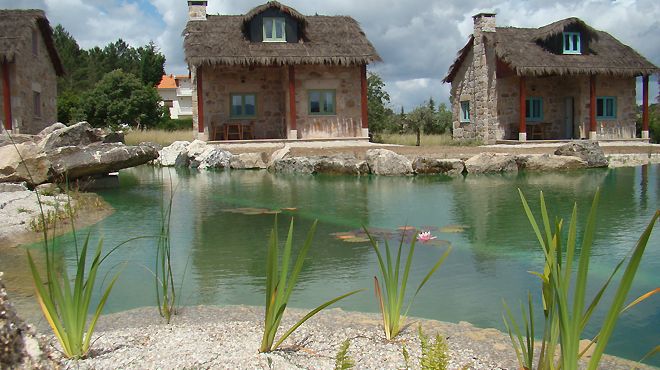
point(274, 5)
point(220, 39)
point(10, 40)
point(523, 50)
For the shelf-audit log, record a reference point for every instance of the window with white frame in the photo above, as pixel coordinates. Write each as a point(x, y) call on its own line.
point(274, 29)
point(571, 42)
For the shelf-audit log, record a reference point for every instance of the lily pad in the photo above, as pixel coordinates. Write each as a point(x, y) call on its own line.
point(356, 239)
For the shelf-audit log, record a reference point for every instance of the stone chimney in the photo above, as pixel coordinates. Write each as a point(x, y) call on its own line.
point(197, 10)
point(483, 22)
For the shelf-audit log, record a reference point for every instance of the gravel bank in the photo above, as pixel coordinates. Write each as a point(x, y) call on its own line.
point(229, 337)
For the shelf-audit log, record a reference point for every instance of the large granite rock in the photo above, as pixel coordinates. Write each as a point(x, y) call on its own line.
point(248, 161)
point(79, 134)
point(214, 157)
point(491, 163)
point(20, 347)
point(50, 129)
point(549, 162)
point(279, 154)
point(302, 165)
point(341, 165)
point(98, 158)
point(176, 154)
point(388, 163)
point(589, 151)
point(5, 139)
point(32, 165)
point(433, 166)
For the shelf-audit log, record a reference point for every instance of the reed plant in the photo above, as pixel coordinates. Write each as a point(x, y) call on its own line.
point(564, 293)
point(280, 283)
point(391, 294)
point(166, 298)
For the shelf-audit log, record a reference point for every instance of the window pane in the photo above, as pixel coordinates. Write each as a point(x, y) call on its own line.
point(250, 105)
point(236, 105)
point(609, 107)
point(567, 41)
point(329, 106)
point(537, 109)
point(599, 107)
point(268, 28)
point(576, 39)
point(279, 28)
point(315, 102)
point(527, 108)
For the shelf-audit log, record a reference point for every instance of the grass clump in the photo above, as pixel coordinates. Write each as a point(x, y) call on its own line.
point(280, 283)
point(563, 293)
point(342, 360)
point(433, 353)
point(392, 292)
point(162, 137)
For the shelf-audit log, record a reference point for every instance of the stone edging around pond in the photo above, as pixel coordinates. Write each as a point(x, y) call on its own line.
point(201, 155)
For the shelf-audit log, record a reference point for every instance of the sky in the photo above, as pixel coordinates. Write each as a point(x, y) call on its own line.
point(417, 39)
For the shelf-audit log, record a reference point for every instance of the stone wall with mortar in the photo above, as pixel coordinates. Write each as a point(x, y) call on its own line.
point(345, 81)
point(553, 90)
point(475, 82)
point(30, 73)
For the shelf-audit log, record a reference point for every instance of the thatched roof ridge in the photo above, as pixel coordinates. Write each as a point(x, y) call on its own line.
point(460, 57)
point(11, 41)
point(522, 49)
point(274, 5)
point(335, 40)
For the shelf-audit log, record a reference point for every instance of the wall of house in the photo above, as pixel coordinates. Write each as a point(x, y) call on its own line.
point(347, 122)
point(554, 90)
point(31, 73)
point(266, 82)
point(475, 82)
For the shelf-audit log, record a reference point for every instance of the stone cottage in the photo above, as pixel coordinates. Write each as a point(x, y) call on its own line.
point(274, 73)
point(29, 68)
point(565, 80)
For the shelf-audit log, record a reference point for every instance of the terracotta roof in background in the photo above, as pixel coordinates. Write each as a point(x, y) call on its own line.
point(167, 82)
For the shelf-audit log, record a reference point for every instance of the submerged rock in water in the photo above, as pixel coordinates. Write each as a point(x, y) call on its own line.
point(588, 151)
point(20, 347)
point(549, 162)
point(341, 164)
point(491, 163)
point(428, 166)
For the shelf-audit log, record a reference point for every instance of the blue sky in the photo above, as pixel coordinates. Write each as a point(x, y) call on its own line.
point(417, 39)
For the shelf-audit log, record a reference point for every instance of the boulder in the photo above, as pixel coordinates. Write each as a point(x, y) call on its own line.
point(151, 144)
point(114, 137)
point(428, 166)
point(491, 163)
point(589, 151)
point(48, 130)
point(341, 164)
point(279, 154)
point(98, 158)
point(214, 157)
point(549, 162)
point(79, 134)
point(302, 165)
point(386, 162)
point(197, 151)
point(12, 187)
point(247, 161)
point(169, 155)
point(14, 139)
point(32, 166)
point(20, 347)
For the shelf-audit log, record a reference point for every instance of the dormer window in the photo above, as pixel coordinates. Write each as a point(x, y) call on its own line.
point(274, 29)
point(571, 42)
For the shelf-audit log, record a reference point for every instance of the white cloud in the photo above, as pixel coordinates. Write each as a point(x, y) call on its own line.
point(417, 39)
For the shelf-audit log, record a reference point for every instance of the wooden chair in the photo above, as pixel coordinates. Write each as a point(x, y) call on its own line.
point(536, 130)
point(233, 131)
point(247, 131)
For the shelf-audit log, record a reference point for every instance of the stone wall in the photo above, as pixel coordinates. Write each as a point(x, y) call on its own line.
point(271, 86)
point(346, 83)
point(30, 73)
point(554, 90)
point(475, 82)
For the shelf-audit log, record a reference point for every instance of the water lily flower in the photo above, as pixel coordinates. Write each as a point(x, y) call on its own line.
point(425, 236)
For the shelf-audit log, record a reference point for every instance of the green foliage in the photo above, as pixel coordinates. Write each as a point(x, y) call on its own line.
point(434, 353)
point(280, 284)
point(165, 291)
point(565, 314)
point(654, 121)
point(342, 360)
point(175, 124)
point(377, 102)
point(121, 98)
point(85, 68)
point(392, 294)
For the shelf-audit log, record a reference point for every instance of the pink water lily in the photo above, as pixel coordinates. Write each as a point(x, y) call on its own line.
point(425, 236)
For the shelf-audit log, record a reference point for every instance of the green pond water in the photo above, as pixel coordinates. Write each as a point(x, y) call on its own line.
point(220, 242)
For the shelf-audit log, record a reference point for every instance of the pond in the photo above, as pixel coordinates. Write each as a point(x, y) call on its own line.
point(221, 221)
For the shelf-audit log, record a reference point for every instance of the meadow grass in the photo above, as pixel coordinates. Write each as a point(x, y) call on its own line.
point(161, 137)
point(426, 140)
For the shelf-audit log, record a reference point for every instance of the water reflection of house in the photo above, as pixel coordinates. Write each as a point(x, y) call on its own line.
point(176, 94)
point(274, 73)
point(564, 80)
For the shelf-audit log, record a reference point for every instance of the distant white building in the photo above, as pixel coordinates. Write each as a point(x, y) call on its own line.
point(176, 92)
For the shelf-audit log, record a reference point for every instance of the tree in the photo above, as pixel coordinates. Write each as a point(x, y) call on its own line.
point(419, 118)
point(151, 64)
point(377, 100)
point(122, 98)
